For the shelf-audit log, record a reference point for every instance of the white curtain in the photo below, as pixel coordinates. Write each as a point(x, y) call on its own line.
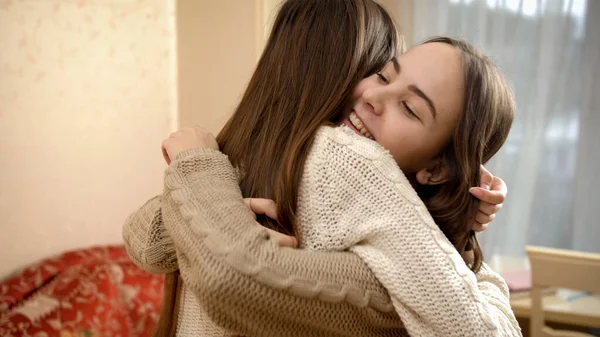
point(549, 50)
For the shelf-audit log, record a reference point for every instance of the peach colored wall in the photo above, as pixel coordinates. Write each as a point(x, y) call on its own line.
point(402, 13)
point(217, 48)
point(266, 10)
point(87, 92)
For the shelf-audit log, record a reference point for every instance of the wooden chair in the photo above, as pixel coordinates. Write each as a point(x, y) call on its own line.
point(563, 269)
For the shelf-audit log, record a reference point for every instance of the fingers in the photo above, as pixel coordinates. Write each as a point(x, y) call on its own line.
point(485, 214)
point(165, 153)
point(205, 138)
point(483, 218)
point(479, 227)
point(489, 209)
point(486, 178)
point(282, 239)
point(489, 196)
point(492, 189)
point(267, 207)
point(170, 149)
point(499, 186)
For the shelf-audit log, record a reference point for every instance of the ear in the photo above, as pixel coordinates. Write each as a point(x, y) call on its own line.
point(434, 174)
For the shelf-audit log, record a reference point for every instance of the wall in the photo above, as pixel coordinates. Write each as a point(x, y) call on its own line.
point(402, 12)
point(87, 93)
point(217, 50)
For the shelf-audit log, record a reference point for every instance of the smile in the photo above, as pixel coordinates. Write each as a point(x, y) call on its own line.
point(358, 126)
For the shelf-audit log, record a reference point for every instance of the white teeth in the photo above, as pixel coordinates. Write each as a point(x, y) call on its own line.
point(358, 124)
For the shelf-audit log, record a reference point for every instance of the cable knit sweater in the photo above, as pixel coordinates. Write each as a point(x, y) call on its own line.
point(353, 196)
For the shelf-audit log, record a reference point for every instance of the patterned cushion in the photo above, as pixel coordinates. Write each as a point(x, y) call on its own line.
point(92, 292)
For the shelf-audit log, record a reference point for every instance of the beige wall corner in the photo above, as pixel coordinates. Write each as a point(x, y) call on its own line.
point(402, 12)
point(217, 47)
point(265, 16)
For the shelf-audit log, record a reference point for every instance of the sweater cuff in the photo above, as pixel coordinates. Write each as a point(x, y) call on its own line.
point(197, 152)
point(193, 164)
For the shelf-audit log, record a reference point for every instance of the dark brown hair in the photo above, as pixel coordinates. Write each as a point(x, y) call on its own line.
point(482, 128)
point(317, 52)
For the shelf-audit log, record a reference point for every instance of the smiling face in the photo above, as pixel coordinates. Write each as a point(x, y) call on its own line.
point(412, 106)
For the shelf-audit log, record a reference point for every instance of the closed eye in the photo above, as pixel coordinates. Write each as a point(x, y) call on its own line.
point(383, 78)
point(410, 110)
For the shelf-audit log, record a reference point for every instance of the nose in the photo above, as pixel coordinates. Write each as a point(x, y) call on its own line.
point(373, 100)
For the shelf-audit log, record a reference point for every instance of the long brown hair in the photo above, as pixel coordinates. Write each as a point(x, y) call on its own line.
point(482, 128)
point(317, 52)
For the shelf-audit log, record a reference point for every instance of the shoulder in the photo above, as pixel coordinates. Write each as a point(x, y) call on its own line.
point(341, 147)
point(331, 138)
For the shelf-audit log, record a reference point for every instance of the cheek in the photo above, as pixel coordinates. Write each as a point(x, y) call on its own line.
point(410, 146)
point(429, 147)
point(398, 141)
point(444, 135)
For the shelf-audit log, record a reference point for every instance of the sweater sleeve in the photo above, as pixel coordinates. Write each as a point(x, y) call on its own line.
point(388, 226)
point(245, 282)
point(147, 241)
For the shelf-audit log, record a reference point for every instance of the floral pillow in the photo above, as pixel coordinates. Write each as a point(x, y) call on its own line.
point(92, 292)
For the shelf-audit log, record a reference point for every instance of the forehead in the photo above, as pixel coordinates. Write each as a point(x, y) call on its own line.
point(436, 68)
point(435, 55)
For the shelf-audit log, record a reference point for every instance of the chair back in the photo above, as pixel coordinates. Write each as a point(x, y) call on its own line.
point(563, 269)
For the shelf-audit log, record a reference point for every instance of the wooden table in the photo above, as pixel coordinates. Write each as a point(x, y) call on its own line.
point(583, 312)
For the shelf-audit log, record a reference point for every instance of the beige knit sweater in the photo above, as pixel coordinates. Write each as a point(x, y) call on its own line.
point(352, 197)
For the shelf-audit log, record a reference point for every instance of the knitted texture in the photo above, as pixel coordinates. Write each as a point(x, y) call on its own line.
point(147, 241)
point(246, 282)
point(352, 196)
point(193, 321)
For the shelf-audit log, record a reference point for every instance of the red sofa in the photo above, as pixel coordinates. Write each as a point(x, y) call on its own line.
point(91, 292)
